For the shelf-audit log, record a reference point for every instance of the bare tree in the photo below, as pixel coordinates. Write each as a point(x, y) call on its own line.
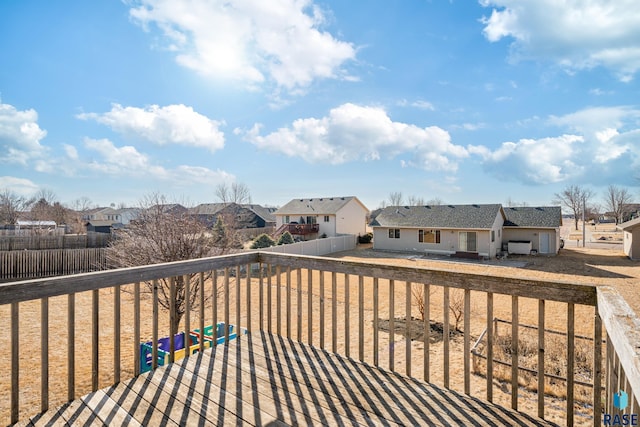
point(573, 198)
point(12, 205)
point(511, 203)
point(616, 200)
point(395, 198)
point(436, 201)
point(237, 192)
point(415, 201)
point(159, 236)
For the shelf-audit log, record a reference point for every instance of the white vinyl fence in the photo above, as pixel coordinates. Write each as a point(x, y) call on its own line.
point(316, 247)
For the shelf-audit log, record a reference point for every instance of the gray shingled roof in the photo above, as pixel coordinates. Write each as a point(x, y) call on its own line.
point(265, 213)
point(439, 216)
point(207, 208)
point(535, 217)
point(314, 206)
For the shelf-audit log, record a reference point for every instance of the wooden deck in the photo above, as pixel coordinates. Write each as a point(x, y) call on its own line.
point(265, 379)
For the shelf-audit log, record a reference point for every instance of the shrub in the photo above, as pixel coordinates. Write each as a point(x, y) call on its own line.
point(263, 241)
point(285, 239)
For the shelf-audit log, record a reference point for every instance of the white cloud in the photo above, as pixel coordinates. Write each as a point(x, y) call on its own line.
point(423, 105)
point(173, 124)
point(541, 161)
point(602, 147)
point(21, 186)
point(575, 34)
point(20, 135)
point(128, 161)
point(252, 41)
point(352, 132)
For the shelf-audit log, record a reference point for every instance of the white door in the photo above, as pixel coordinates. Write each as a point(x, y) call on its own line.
point(545, 238)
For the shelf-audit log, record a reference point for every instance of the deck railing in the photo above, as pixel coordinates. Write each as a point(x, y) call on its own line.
point(385, 315)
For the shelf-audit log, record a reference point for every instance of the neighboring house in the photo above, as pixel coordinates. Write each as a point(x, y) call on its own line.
point(242, 215)
point(463, 230)
point(324, 216)
point(540, 226)
point(95, 214)
point(100, 226)
point(127, 215)
point(169, 208)
point(631, 239)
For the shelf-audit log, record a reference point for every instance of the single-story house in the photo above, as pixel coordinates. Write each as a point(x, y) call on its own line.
point(535, 228)
point(242, 215)
point(464, 230)
point(631, 239)
point(323, 216)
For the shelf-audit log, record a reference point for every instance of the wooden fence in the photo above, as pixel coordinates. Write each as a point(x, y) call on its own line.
point(20, 265)
point(67, 241)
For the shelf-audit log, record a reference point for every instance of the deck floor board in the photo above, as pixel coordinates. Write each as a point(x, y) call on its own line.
point(265, 379)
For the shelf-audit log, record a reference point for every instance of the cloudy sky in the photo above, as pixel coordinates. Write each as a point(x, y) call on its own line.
point(465, 101)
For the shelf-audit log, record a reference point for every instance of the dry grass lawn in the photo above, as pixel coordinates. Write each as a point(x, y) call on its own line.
point(588, 266)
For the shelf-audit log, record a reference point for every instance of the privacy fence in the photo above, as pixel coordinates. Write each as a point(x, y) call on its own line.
point(66, 241)
point(21, 265)
point(316, 247)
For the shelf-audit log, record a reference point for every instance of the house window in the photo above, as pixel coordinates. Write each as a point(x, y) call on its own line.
point(311, 220)
point(286, 219)
point(493, 235)
point(467, 241)
point(394, 233)
point(429, 236)
point(326, 218)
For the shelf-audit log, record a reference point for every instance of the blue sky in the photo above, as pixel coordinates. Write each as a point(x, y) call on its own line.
point(467, 102)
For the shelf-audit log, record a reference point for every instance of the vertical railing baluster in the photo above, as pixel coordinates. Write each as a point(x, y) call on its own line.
point(426, 294)
point(514, 351)
point(446, 301)
point(238, 298)
point(172, 319)
point(310, 306)
point(376, 323)
point(248, 297)
point(15, 362)
point(392, 325)
point(466, 359)
point(597, 368)
point(44, 354)
point(186, 282)
point(278, 300)
point(269, 298)
point(288, 313)
point(116, 334)
point(154, 327)
point(570, 361)
point(299, 303)
point(227, 293)
point(334, 313)
point(322, 296)
point(214, 305)
point(361, 318)
point(136, 328)
point(407, 329)
point(490, 346)
point(541, 368)
point(347, 320)
point(95, 339)
point(201, 307)
point(261, 296)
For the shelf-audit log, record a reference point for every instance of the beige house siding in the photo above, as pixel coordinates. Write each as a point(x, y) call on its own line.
point(534, 235)
point(352, 219)
point(631, 243)
point(449, 241)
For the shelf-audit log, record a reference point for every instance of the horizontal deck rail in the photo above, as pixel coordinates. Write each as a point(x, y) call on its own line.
point(385, 315)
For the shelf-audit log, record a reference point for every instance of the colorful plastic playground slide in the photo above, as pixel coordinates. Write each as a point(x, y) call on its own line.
point(211, 333)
